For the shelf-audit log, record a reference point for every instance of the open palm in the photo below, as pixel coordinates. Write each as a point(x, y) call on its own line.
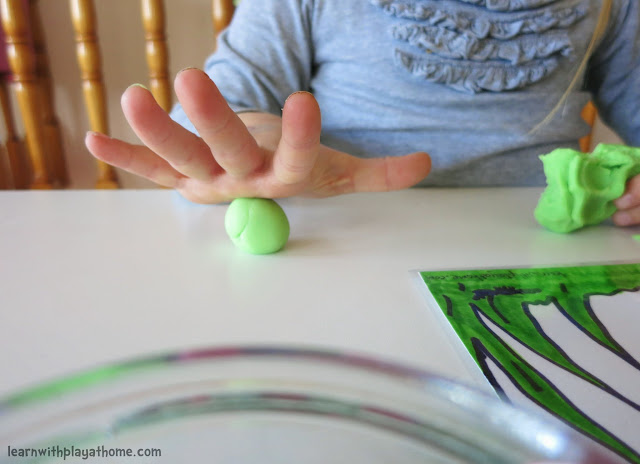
point(246, 155)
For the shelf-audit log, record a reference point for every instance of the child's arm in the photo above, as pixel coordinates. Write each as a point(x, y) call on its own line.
point(613, 76)
point(247, 155)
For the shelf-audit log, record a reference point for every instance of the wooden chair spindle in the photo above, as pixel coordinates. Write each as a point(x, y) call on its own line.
point(90, 63)
point(18, 171)
point(153, 19)
point(23, 67)
point(222, 12)
point(50, 127)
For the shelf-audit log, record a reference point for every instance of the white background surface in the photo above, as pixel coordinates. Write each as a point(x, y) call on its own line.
point(89, 277)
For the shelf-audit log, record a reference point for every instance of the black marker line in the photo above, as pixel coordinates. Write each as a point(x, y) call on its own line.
point(505, 290)
point(480, 352)
point(527, 377)
point(605, 386)
point(601, 385)
point(475, 307)
point(449, 305)
point(624, 354)
point(487, 354)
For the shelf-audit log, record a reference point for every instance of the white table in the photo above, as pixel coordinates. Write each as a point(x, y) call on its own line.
point(94, 277)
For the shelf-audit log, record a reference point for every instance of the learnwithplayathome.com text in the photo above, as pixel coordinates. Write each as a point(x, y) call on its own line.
point(64, 452)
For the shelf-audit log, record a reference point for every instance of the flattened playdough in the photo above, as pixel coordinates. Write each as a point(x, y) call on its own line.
point(581, 187)
point(257, 225)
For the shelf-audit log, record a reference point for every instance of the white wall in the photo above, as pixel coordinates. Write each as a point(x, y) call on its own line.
point(190, 39)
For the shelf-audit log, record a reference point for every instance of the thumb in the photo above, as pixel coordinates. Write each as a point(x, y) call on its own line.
point(391, 172)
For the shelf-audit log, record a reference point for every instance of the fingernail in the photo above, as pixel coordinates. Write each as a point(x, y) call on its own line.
point(137, 85)
point(185, 69)
point(625, 201)
point(296, 93)
point(98, 134)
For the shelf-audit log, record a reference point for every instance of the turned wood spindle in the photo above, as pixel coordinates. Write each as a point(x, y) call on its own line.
point(4, 183)
point(153, 20)
point(589, 114)
point(89, 61)
point(50, 127)
point(14, 148)
point(23, 67)
point(221, 13)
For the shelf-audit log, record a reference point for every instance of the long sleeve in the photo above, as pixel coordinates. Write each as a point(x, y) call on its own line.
point(614, 72)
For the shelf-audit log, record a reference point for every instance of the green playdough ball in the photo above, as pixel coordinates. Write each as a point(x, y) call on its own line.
point(257, 225)
point(581, 187)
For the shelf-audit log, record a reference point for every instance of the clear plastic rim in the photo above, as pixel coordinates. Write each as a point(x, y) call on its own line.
point(110, 371)
point(431, 384)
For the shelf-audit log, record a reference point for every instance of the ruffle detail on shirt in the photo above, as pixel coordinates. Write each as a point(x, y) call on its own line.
point(476, 77)
point(462, 45)
point(509, 5)
point(504, 26)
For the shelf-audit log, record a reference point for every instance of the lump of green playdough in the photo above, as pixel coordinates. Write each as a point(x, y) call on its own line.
point(257, 225)
point(581, 187)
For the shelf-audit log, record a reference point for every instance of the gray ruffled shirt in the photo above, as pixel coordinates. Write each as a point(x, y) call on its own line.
point(464, 80)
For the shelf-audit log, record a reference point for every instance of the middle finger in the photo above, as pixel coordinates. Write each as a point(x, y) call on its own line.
point(231, 144)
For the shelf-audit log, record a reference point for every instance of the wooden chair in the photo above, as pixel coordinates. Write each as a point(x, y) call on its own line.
point(221, 12)
point(90, 63)
point(153, 16)
point(32, 84)
point(11, 158)
point(589, 114)
point(13, 171)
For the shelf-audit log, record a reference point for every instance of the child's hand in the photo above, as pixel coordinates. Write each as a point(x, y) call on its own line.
point(246, 155)
point(628, 205)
